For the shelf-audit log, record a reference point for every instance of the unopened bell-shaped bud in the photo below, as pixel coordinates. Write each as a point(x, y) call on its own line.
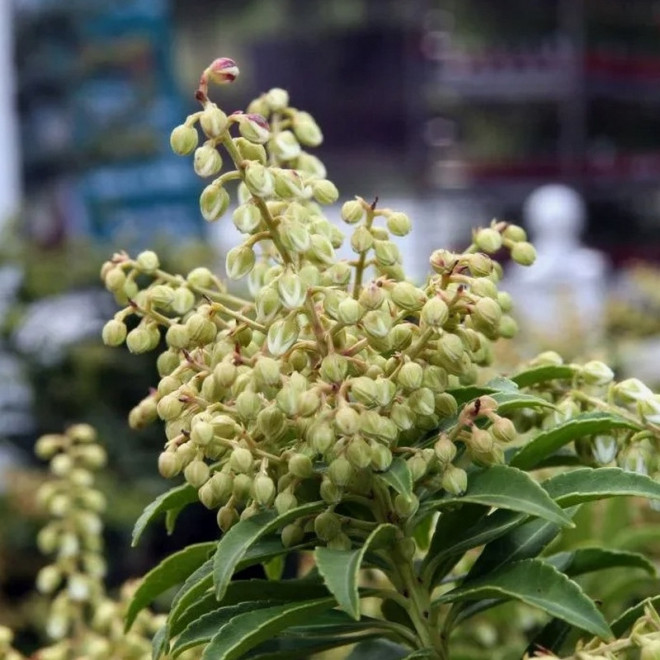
point(291, 290)
point(213, 202)
point(277, 99)
point(632, 389)
point(377, 323)
point(213, 121)
point(362, 240)
point(488, 239)
point(407, 296)
point(321, 249)
point(486, 314)
point(291, 535)
point(349, 311)
point(114, 333)
point(422, 401)
point(324, 191)
point(184, 140)
point(372, 296)
point(285, 501)
point(263, 489)
point(481, 265)
point(443, 261)
point(300, 466)
point(399, 224)
point(251, 151)
point(333, 368)
point(352, 212)
point(197, 473)
point(514, 233)
point(222, 70)
point(406, 505)
point(327, 525)
point(239, 262)
point(410, 376)
point(381, 457)
point(241, 460)
point(387, 253)
point(139, 340)
point(321, 436)
point(445, 450)
point(365, 391)
point(207, 161)
point(604, 449)
point(307, 130)
point(523, 253)
point(282, 335)
point(347, 421)
point(504, 430)
point(454, 480)
point(597, 373)
point(168, 464)
point(285, 146)
point(254, 128)
point(259, 180)
point(226, 517)
point(435, 312)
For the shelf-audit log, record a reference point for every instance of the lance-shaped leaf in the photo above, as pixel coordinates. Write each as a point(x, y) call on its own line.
point(170, 572)
point(547, 442)
point(244, 534)
point(505, 487)
point(543, 374)
point(398, 477)
point(588, 560)
point(538, 584)
point(522, 542)
point(510, 401)
point(245, 631)
point(159, 643)
point(174, 499)
point(301, 648)
point(587, 484)
point(380, 649)
point(622, 624)
point(340, 569)
point(199, 582)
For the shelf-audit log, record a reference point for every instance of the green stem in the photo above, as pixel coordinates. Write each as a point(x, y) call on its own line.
point(359, 269)
point(229, 145)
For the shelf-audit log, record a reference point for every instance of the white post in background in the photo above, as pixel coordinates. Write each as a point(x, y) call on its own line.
point(10, 179)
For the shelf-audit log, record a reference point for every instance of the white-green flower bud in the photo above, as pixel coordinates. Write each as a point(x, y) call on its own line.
point(352, 212)
point(271, 422)
point(321, 436)
point(410, 376)
point(291, 535)
point(523, 253)
point(385, 391)
point(197, 473)
point(168, 464)
point(258, 179)
point(422, 401)
point(377, 323)
point(225, 374)
point(250, 151)
point(632, 389)
point(201, 330)
point(402, 416)
point(48, 538)
point(381, 457)
point(324, 191)
point(309, 403)
point(486, 314)
point(359, 453)
point(514, 233)
point(507, 327)
point(489, 240)
point(241, 460)
point(161, 295)
point(267, 304)
point(399, 224)
point(267, 371)
point(291, 290)
point(239, 261)
point(295, 237)
point(349, 311)
point(254, 128)
point(505, 301)
point(450, 350)
point(282, 335)
point(277, 99)
point(327, 525)
point(139, 340)
point(347, 421)
point(407, 296)
point(333, 368)
point(177, 336)
point(365, 391)
point(226, 517)
point(445, 450)
point(301, 466)
point(285, 146)
point(207, 161)
point(248, 404)
point(454, 480)
point(387, 253)
point(169, 407)
point(263, 490)
point(481, 265)
point(47, 445)
point(306, 129)
point(202, 433)
point(48, 579)
point(445, 404)
point(443, 261)
point(604, 449)
point(167, 362)
point(288, 402)
point(78, 588)
point(285, 501)
point(321, 250)
point(310, 164)
point(213, 202)
point(242, 488)
point(402, 336)
point(406, 505)
point(183, 300)
point(147, 262)
point(213, 121)
point(597, 373)
point(435, 312)
point(115, 279)
point(340, 471)
point(247, 218)
point(183, 139)
point(200, 277)
point(361, 240)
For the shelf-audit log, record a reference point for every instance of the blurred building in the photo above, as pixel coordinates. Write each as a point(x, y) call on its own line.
point(465, 105)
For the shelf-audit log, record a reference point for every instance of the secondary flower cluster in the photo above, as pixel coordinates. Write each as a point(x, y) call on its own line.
point(333, 367)
point(82, 620)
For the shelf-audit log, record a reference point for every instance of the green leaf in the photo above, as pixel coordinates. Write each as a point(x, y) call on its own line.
point(587, 560)
point(301, 648)
point(547, 442)
point(504, 487)
point(202, 579)
point(588, 484)
point(159, 643)
point(201, 630)
point(170, 572)
point(248, 590)
point(538, 584)
point(274, 568)
point(398, 477)
point(543, 374)
point(333, 622)
point(472, 392)
point(522, 542)
point(244, 534)
point(623, 623)
point(174, 499)
point(340, 569)
point(380, 649)
point(245, 631)
point(509, 401)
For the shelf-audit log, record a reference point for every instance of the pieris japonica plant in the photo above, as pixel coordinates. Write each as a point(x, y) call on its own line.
point(344, 415)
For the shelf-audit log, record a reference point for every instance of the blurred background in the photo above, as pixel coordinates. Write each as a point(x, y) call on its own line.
point(454, 111)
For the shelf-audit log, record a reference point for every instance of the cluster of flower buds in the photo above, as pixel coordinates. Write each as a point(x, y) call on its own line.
point(593, 388)
point(82, 620)
point(333, 367)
